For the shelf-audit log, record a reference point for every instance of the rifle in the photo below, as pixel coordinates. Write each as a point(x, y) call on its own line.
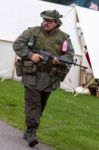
point(48, 55)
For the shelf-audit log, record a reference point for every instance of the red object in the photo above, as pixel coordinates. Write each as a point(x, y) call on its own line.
point(88, 59)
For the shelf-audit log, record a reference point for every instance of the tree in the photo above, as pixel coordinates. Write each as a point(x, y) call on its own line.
point(84, 3)
point(63, 2)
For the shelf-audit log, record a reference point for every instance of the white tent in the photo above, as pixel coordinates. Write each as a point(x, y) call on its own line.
point(18, 15)
point(89, 20)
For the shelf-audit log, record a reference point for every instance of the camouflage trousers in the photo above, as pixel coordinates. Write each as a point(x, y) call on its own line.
point(35, 102)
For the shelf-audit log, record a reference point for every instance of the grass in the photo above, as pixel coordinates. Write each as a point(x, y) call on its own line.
point(68, 123)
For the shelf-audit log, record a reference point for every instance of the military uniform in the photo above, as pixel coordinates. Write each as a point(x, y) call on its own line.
point(38, 83)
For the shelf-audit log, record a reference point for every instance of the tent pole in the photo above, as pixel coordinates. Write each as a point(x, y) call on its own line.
point(14, 67)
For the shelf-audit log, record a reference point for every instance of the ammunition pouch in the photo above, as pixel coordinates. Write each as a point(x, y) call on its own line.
point(60, 70)
point(29, 67)
point(24, 67)
point(18, 65)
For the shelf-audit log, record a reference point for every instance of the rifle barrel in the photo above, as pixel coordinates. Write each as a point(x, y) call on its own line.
point(74, 62)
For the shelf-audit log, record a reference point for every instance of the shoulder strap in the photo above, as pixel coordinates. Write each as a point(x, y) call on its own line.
point(34, 31)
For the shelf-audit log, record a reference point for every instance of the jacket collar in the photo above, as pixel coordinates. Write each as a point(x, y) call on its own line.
point(51, 32)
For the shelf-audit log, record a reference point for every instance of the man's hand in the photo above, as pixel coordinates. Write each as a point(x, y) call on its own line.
point(36, 58)
point(56, 61)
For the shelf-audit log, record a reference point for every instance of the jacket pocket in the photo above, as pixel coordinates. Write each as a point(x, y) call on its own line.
point(29, 80)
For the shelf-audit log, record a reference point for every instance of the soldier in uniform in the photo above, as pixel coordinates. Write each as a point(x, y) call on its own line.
point(40, 79)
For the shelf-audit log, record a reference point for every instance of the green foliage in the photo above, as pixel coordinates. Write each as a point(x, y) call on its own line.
point(11, 103)
point(68, 122)
point(56, 1)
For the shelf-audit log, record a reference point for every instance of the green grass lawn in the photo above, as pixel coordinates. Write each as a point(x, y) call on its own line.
point(68, 123)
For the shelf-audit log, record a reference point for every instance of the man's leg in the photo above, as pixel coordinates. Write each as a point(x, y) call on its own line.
point(44, 98)
point(32, 113)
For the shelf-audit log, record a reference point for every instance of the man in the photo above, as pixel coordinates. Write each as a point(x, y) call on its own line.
point(40, 78)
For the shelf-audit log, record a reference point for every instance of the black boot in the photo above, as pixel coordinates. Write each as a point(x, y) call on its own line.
point(33, 139)
point(30, 136)
point(26, 135)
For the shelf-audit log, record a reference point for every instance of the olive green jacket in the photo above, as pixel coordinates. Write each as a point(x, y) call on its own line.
point(52, 42)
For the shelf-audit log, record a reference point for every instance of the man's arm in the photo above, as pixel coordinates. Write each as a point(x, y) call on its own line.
point(20, 45)
point(21, 48)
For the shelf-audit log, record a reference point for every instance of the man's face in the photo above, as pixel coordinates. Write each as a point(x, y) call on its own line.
point(48, 24)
